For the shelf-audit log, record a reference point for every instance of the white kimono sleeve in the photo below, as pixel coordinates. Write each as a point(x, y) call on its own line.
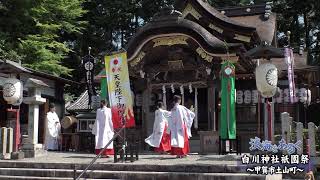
point(110, 120)
point(52, 126)
point(189, 116)
point(167, 115)
point(94, 128)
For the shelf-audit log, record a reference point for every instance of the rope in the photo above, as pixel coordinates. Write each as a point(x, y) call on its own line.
point(196, 108)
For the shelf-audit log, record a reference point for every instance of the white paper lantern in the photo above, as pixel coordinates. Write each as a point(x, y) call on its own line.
point(267, 79)
point(12, 90)
point(247, 96)
point(309, 97)
point(239, 97)
point(286, 96)
point(255, 96)
point(305, 96)
point(279, 99)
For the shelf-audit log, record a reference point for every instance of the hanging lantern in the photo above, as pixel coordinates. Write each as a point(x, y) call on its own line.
point(267, 79)
point(247, 96)
point(309, 97)
point(302, 94)
point(172, 88)
point(239, 97)
point(305, 96)
point(12, 90)
point(286, 96)
point(254, 96)
point(279, 99)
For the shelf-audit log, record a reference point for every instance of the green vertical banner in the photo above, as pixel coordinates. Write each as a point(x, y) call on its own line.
point(104, 89)
point(103, 85)
point(228, 109)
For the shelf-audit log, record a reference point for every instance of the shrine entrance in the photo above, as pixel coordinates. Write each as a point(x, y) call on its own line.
point(193, 97)
point(184, 63)
point(181, 53)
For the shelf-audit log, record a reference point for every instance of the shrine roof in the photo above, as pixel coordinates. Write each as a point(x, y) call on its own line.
point(173, 25)
point(81, 104)
point(300, 63)
point(7, 66)
point(257, 20)
point(212, 12)
point(213, 29)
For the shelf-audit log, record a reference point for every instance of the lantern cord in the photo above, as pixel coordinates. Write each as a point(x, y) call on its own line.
point(227, 50)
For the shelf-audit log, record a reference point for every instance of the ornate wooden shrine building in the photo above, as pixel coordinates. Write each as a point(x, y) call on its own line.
point(180, 52)
point(184, 48)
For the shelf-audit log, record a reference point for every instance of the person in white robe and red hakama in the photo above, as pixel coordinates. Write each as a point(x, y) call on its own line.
point(103, 130)
point(180, 125)
point(160, 137)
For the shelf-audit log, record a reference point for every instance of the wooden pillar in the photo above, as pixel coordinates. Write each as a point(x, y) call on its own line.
point(145, 110)
point(211, 109)
point(196, 124)
point(149, 118)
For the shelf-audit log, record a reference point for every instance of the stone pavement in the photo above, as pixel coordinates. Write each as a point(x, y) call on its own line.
point(146, 158)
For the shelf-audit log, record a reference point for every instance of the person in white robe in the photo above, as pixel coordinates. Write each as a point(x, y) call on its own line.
point(53, 129)
point(180, 128)
point(160, 138)
point(103, 130)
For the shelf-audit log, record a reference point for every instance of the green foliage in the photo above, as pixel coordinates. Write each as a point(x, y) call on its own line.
point(53, 35)
point(35, 31)
point(7, 51)
point(46, 48)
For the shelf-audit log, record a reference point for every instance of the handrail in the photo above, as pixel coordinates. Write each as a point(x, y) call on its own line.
point(98, 156)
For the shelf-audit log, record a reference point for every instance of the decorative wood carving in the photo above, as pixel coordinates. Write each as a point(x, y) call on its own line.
point(190, 10)
point(176, 65)
point(204, 55)
point(219, 30)
point(232, 59)
point(242, 38)
point(169, 41)
point(136, 61)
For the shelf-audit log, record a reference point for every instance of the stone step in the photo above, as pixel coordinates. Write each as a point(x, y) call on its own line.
point(126, 175)
point(4, 177)
point(41, 178)
point(192, 168)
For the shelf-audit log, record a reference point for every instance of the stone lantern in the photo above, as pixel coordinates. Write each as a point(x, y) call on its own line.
point(31, 147)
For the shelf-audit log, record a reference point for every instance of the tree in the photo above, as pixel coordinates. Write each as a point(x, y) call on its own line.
point(301, 18)
point(34, 30)
point(45, 49)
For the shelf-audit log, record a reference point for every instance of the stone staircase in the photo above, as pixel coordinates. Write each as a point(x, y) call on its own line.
point(65, 171)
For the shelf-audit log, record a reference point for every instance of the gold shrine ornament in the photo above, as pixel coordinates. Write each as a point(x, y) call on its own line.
point(204, 55)
point(136, 61)
point(191, 10)
point(170, 41)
